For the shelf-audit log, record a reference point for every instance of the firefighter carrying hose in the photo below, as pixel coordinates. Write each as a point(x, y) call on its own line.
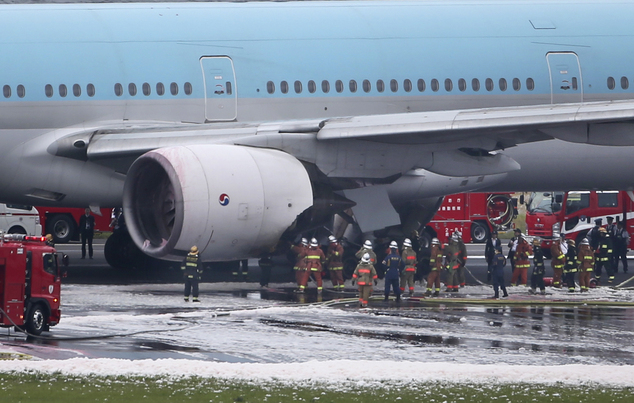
point(192, 272)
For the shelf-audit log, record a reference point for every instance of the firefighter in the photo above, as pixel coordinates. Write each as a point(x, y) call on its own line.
point(301, 275)
point(586, 264)
point(522, 252)
point(537, 278)
point(366, 248)
point(192, 272)
point(604, 255)
point(452, 263)
point(517, 233)
point(570, 268)
point(393, 264)
point(499, 261)
point(593, 235)
point(489, 251)
point(558, 251)
point(364, 274)
point(313, 258)
point(409, 270)
point(435, 263)
point(621, 242)
point(334, 257)
point(50, 241)
point(463, 260)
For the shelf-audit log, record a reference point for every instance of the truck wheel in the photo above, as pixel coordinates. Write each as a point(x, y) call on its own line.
point(479, 232)
point(36, 320)
point(62, 227)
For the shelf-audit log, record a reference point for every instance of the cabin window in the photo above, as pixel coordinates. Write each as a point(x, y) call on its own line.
point(283, 87)
point(298, 87)
point(435, 86)
point(90, 90)
point(380, 85)
point(475, 85)
point(517, 84)
point(421, 85)
point(353, 86)
point(488, 84)
point(502, 84)
point(21, 91)
point(76, 90)
point(312, 87)
point(530, 84)
point(160, 88)
point(174, 89)
point(393, 85)
point(132, 89)
point(189, 89)
point(270, 87)
point(407, 85)
point(48, 90)
point(367, 87)
point(118, 90)
point(147, 90)
point(325, 86)
point(6, 91)
point(625, 83)
point(462, 84)
point(448, 85)
point(339, 86)
point(611, 83)
point(63, 91)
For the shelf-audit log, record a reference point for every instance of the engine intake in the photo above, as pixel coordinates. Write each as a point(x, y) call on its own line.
point(230, 201)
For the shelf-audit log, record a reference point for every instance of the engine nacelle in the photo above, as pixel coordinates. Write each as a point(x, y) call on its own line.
point(232, 202)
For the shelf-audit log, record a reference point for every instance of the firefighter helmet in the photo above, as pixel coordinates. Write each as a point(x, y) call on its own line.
point(194, 250)
point(304, 241)
point(407, 243)
point(367, 244)
point(332, 239)
point(435, 241)
point(571, 242)
point(393, 245)
point(455, 237)
point(536, 242)
point(585, 241)
point(313, 243)
point(365, 258)
point(49, 238)
point(603, 231)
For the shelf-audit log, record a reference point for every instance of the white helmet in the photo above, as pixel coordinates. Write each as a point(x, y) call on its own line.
point(313, 242)
point(304, 241)
point(332, 239)
point(365, 258)
point(435, 241)
point(367, 244)
point(458, 234)
point(585, 241)
point(393, 245)
point(455, 237)
point(407, 243)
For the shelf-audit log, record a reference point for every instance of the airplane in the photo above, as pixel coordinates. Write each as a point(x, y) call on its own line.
point(237, 126)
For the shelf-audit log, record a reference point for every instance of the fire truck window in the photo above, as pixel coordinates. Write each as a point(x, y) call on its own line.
point(577, 201)
point(608, 199)
point(50, 263)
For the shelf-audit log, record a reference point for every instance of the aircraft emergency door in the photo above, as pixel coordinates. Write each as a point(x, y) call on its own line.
point(566, 84)
point(221, 98)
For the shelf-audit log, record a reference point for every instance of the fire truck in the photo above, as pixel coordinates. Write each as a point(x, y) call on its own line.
point(63, 223)
point(548, 214)
point(475, 215)
point(30, 280)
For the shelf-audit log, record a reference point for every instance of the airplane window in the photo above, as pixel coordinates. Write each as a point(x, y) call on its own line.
point(367, 87)
point(393, 85)
point(325, 86)
point(76, 90)
point(160, 88)
point(353, 86)
point(462, 84)
point(118, 89)
point(625, 83)
point(502, 84)
point(132, 89)
point(489, 84)
point(312, 87)
point(63, 90)
point(435, 86)
point(270, 87)
point(421, 85)
point(48, 90)
point(90, 90)
point(380, 85)
point(611, 83)
point(517, 84)
point(284, 87)
point(189, 89)
point(228, 88)
point(174, 89)
point(147, 90)
point(298, 87)
point(6, 91)
point(530, 84)
point(339, 86)
point(407, 85)
point(448, 85)
point(21, 91)
point(475, 84)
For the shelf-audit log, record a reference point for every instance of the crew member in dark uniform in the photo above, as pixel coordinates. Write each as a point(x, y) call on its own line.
point(86, 232)
point(192, 271)
point(489, 251)
point(537, 278)
point(393, 264)
point(499, 261)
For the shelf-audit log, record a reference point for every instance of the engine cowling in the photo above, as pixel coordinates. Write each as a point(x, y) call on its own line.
point(232, 202)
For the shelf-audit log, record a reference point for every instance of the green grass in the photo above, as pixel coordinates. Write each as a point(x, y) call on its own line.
point(38, 387)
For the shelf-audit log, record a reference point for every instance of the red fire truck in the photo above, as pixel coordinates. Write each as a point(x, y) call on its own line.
point(63, 223)
point(30, 280)
point(473, 214)
point(548, 214)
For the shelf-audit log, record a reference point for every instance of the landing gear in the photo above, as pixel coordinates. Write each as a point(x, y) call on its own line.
point(121, 252)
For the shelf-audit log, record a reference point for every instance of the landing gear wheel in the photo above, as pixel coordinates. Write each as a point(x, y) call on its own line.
point(36, 320)
point(121, 252)
point(62, 227)
point(479, 232)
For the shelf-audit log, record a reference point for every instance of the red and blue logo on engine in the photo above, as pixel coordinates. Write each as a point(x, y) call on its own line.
point(223, 199)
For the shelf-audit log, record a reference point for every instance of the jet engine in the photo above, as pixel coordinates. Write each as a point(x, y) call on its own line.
point(230, 201)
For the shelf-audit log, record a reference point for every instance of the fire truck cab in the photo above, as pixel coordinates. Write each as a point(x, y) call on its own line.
point(30, 283)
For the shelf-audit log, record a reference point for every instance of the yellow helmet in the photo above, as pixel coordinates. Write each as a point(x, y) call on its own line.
point(194, 250)
point(49, 237)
